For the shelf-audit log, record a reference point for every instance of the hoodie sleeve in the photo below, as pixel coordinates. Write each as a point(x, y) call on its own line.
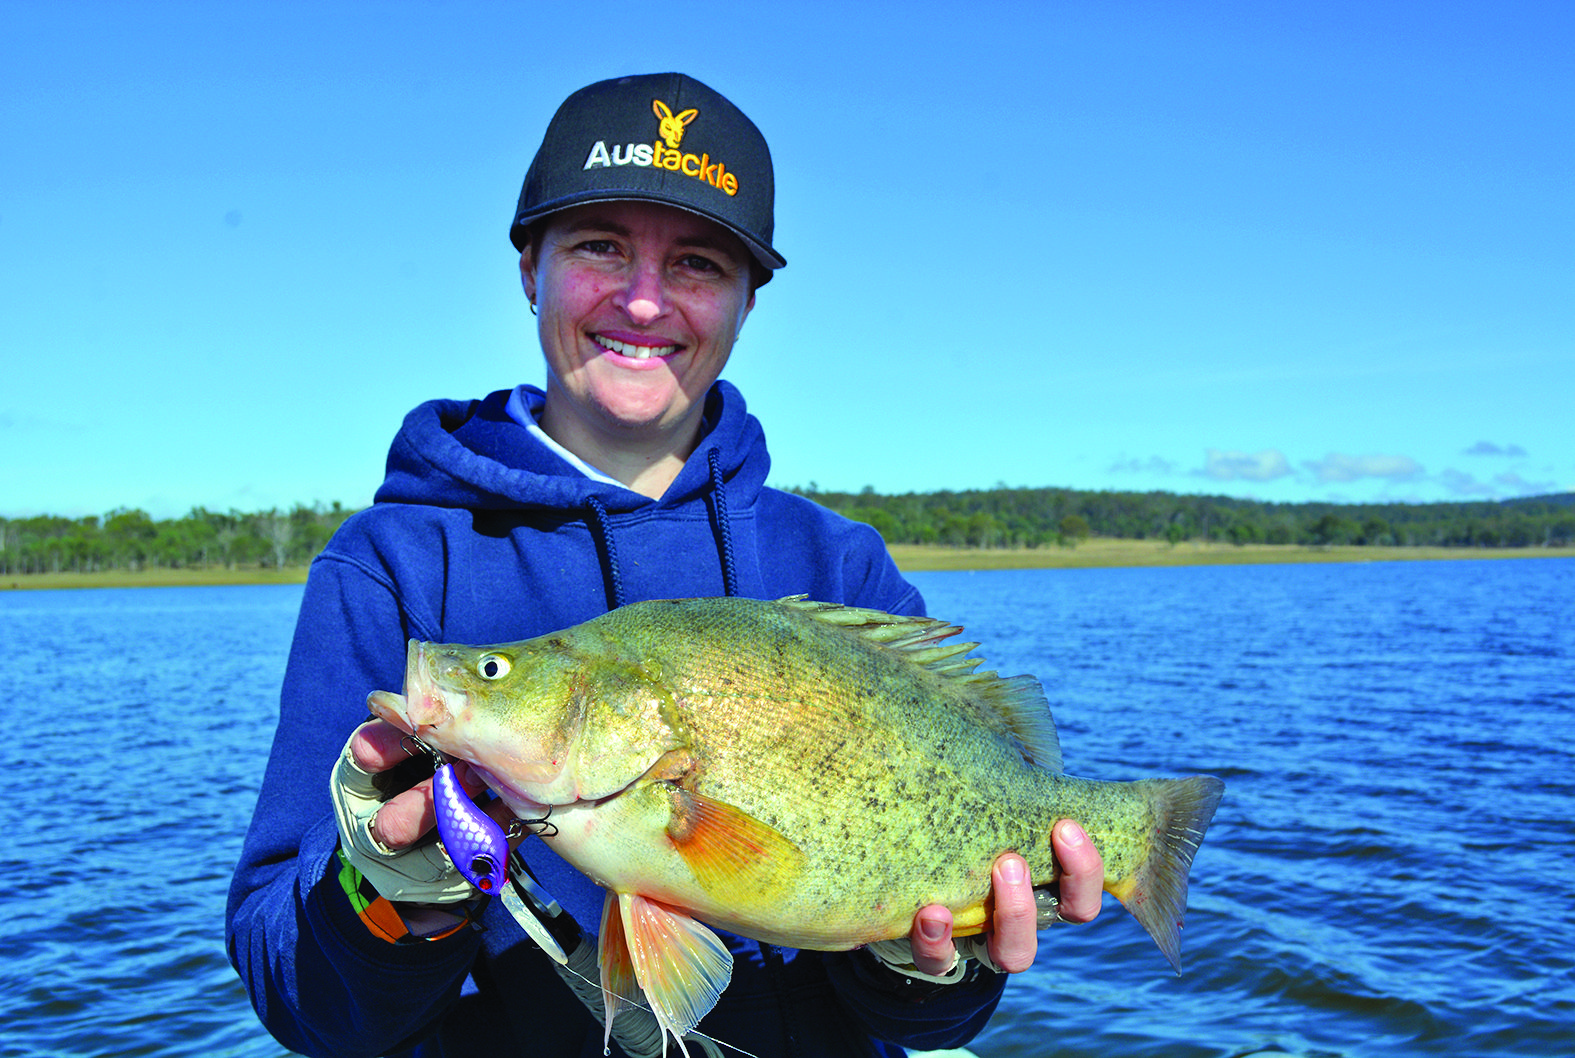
point(933, 1017)
point(319, 980)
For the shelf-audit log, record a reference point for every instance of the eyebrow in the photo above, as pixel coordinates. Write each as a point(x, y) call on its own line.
point(698, 241)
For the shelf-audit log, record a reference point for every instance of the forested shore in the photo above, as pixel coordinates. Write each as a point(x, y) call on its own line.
point(990, 520)
point(1030, 518)
point(131, 540)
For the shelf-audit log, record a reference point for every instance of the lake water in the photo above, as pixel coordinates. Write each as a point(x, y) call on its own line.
point(1389, 874)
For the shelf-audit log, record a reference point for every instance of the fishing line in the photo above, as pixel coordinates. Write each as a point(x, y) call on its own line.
point(709, 1043)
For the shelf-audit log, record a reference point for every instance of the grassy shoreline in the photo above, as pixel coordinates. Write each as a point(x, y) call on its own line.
point(1090, 554)
point(152, 578)
point(1106, 553)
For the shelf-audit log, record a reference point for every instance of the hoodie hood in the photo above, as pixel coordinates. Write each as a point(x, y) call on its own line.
point(471, 454)
point(474, 457)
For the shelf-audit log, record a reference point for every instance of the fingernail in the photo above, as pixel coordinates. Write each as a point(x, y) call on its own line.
point(1012, 871)
point(931, 929)
point(1072, 836)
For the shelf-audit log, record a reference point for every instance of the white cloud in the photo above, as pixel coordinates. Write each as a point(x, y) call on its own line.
point(1460, 483)
point(1488, 448)
point(1519, 486)
point(1244, 466)
point(1337, 466)
point(1506, 485)
point(1151, 465)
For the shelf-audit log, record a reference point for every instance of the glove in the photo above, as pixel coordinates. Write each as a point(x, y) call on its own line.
point(898, 955)
point(421, 874)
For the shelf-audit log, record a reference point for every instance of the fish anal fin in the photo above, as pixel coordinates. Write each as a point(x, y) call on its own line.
point(732, 854)
point(620, 987)
point(680, 965)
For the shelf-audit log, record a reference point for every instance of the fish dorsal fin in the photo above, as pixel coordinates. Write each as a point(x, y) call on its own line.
point(678, 962)
point(1020, 701)
point(1015, 706)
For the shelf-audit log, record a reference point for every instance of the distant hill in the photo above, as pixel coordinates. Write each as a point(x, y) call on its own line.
point(1551, 499)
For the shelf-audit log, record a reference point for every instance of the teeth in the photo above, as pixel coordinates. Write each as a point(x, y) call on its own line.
point(638, 352)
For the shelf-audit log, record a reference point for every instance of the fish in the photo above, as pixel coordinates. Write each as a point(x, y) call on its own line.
point(803, 773)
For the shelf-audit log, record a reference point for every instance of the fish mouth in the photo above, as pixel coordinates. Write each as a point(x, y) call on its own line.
point(424, 707)
point(444, 716)
point(521, 803)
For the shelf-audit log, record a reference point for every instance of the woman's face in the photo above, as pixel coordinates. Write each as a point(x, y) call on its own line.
point(638, 307)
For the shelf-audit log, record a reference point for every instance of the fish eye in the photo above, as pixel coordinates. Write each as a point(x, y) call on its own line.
point(482, 867)
point(493, 667)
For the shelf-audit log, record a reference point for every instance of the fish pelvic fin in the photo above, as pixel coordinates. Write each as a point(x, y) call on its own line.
point(1156, 892)
point(734, 856)
point(680, 965)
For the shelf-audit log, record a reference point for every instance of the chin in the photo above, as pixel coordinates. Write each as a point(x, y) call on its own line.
point(635, 411)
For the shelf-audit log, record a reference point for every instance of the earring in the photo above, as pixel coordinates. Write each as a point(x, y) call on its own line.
point(533, 308)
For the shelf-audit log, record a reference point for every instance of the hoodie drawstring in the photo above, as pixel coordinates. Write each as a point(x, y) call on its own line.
point(611, 575)
point(720, 524)
point(721, 529)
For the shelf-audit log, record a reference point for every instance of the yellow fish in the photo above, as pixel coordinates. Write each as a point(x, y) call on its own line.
point(806, 774)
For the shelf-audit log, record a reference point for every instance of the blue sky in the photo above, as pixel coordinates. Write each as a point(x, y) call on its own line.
point(1290, 251)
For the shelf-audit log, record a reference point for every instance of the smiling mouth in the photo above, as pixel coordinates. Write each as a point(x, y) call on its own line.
point(634, 352)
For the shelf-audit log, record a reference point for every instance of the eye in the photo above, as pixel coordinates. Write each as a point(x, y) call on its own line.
point(493, 667)
point(695, 263)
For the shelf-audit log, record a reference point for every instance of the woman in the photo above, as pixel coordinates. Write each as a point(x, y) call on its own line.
point(644, 230)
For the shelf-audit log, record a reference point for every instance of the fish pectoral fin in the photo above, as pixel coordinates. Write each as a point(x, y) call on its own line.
point(733, 855)
point(680, 965)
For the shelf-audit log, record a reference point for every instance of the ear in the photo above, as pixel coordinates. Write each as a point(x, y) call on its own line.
point(528, 274)
point(687, 116)
point(659, 108)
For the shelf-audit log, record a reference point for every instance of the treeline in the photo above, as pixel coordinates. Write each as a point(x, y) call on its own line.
point(1006, 518)
point(129, 539)
point(990, 518)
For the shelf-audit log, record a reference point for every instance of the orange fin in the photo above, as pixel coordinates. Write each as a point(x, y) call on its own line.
point(731, 853)
point(619, 986)
point(680, 965)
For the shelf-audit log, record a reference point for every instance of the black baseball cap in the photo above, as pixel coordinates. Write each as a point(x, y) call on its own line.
point(661, 137)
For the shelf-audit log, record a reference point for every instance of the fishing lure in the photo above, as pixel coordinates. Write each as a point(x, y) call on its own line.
point(475, 842)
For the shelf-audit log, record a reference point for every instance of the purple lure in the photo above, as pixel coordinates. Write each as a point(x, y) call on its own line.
point(473, 839)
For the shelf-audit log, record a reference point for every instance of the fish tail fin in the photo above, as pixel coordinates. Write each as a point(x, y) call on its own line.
point(1156, 891)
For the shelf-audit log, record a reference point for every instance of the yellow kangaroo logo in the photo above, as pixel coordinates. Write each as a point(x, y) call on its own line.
point(672, 128)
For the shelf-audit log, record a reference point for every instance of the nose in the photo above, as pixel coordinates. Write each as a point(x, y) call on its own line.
point(644, 310)
point(644, 299)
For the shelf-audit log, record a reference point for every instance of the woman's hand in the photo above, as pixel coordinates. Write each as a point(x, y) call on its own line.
point(378, 747)
point(381, 826)
point(1015, 936)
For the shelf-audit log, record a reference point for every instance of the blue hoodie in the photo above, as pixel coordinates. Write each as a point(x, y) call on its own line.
point(481, 533)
